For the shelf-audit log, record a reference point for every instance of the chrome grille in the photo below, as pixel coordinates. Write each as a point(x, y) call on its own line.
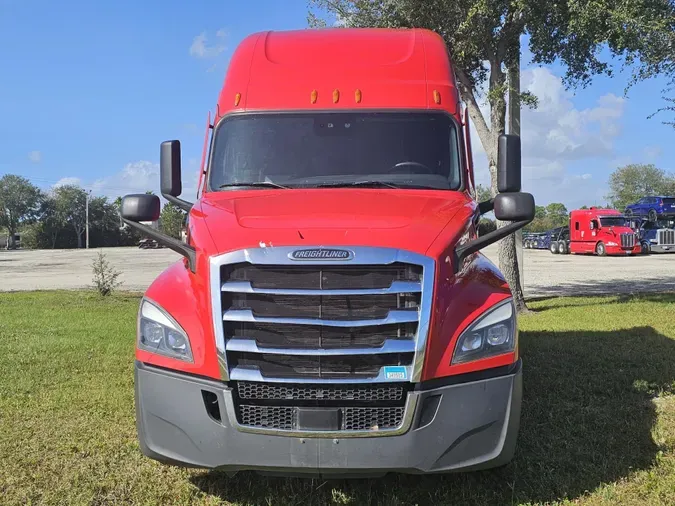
point(667, 237)
point(347, 335)
point(627, 240)
point(326, 319)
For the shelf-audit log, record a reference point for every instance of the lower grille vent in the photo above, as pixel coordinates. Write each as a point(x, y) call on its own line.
point(351, 418)
point(249, 390)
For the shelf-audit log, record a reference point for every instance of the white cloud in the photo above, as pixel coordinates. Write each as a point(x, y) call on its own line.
point(68, 181)
point(651, 153)
point(135, 177)
point(556, 135)
point(201, 48)
point(35, 156)
point(138, 177)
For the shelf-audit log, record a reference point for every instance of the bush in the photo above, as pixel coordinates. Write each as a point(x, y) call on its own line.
point(105, 275)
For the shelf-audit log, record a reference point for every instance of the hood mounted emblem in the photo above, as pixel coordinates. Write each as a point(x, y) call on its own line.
point(321, 254)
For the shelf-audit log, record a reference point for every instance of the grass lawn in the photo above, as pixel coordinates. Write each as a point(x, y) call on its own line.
point(598, 422)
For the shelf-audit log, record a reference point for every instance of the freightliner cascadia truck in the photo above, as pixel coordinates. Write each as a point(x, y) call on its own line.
point(332, 314)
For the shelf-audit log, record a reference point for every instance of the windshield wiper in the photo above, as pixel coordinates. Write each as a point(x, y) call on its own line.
point(257, 184)
point(357, 183)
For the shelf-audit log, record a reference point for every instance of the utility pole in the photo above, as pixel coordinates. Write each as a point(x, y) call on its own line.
point(514, 128)
point(86, 206)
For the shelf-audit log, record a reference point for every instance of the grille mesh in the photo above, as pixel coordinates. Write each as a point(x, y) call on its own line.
point(324, 277)
point(272, 335)
point(372, 418)
point(299, 366)
point(248, 390)
point(352, 418)
point(327, 307)
point(271, 417)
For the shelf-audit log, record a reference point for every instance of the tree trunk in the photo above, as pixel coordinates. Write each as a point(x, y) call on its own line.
point(508, 255)
point(489, 137)
point(508, 261)
point(11, 243)
point(79, 232)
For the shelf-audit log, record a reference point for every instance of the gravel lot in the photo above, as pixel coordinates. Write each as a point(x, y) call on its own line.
point(545, 274)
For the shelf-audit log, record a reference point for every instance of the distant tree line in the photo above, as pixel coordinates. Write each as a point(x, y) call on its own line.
point(57, 218)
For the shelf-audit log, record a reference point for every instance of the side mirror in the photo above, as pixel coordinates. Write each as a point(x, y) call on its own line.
point(514, 206)
point(591, 225)
point(508, 164)
point(140, 207)
point(143, 207)
point(170, 173)
point(170, 168)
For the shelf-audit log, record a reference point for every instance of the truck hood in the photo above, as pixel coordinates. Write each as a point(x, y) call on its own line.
point(406, 219)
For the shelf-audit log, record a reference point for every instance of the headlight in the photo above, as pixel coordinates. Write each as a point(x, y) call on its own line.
point(161, 334)
point(492, 334)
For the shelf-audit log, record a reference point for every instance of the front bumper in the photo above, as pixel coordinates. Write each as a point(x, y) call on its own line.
point(661, 248)
point(475, 426)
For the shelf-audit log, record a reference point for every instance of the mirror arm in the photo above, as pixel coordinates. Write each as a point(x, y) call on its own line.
point(479, 243)
point(486, 206)
point(178, 246)
point(183, 204)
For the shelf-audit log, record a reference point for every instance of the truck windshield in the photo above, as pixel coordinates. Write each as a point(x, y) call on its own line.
point(613, 221)
point(305, 150)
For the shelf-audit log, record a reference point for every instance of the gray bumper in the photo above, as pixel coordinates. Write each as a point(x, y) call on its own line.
point(658, 248)
point(475, 426)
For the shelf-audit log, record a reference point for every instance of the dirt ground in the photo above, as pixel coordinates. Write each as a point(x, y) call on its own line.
point(545, 274)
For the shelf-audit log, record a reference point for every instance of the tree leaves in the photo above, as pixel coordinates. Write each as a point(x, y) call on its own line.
point(631, 182)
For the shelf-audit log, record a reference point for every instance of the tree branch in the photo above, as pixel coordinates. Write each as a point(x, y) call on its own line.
point(466, 91)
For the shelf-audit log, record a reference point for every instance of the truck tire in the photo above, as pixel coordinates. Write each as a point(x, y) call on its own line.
point(562, 248)
point(600, 249)
point(644, 248)
point(651, 216)
point(553, 248)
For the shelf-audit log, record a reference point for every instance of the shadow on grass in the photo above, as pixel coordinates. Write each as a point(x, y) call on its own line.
point(595, 286)
point(544, 302)
point(587, 420)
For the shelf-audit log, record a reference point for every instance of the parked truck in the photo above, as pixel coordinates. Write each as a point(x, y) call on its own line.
point(559, 242)
point(657, 236)
point(602, 232)
point(332, 314)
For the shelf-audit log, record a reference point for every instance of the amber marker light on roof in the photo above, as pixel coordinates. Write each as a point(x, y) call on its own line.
point(437, 97)
point(336, 96)
point(237, 99)
point(314, 96)
point(357, 96)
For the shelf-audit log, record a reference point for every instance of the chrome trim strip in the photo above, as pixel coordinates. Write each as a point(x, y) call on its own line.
point(396, 287)
point(406, 422)
point(389, 346)
point(363, 255)
point(246, 315)
point(244, 374)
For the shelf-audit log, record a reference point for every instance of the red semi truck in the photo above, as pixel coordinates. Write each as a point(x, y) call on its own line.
point(602, 232)
point(332, 313)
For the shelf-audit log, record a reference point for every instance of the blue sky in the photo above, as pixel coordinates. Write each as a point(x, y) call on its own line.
point(90, 89)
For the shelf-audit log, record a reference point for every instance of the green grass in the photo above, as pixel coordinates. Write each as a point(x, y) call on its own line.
point(598, 422)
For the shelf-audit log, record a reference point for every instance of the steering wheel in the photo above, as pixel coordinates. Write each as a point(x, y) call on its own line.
point(417, 165)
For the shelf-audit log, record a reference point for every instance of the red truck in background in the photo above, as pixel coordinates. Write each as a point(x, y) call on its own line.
point(333, 314)
point(602, 232)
